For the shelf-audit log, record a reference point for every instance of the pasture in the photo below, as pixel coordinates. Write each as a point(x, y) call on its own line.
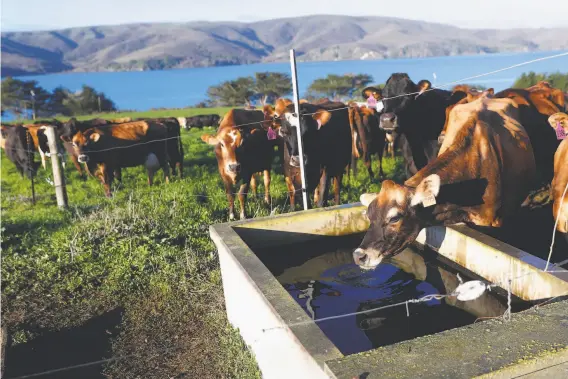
point(134, 277)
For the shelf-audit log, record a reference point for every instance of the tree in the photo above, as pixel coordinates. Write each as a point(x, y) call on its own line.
point(269, 86)
point(556, 80)
point(232, 92)
point(26, 97)
point(336, 86)
point(86, 101)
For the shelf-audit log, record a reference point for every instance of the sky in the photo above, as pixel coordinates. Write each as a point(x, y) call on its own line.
point(59, 14)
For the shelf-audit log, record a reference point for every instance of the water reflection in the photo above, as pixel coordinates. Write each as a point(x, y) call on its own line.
point(331, 284)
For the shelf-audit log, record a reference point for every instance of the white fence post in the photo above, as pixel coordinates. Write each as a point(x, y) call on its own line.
point(298, 129)
point(58, 177)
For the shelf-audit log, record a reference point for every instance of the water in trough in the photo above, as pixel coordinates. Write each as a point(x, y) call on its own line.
point(323, 279)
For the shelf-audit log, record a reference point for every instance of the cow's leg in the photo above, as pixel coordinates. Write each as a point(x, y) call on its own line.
point(230, 199)
point(291, 193)
point(243, 191)
point(369, 164)
point(118, 174)
point(42, 156)
point(267, 186)
point(179, 166)
point(105, 175)
point(316, 195)
point(253, 184)
point(323, 189)
point(337, 187)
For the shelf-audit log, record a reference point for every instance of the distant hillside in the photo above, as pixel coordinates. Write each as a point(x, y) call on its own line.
point(198, 44)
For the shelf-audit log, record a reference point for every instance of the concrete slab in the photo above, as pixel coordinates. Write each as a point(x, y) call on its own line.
point(533, 340)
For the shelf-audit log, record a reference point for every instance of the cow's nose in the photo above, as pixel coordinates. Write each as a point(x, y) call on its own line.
point(360, 257)
point(83, 158)
point(234, 167)
point(295, 160)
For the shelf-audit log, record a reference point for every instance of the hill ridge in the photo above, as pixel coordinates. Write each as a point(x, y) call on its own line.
point(152, 46)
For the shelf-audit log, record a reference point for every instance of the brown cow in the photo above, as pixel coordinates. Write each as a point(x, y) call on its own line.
point(367, 136)
point(461, 94)
point(483, 172)
point(109, 147)
point(242, 149)
point(536, 104)
point(559, 121)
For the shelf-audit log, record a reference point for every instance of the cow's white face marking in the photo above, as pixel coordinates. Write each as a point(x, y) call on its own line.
point(233, 135)
point(292, 120)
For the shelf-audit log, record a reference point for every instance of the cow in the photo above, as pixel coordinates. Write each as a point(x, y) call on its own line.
point(536, 105)
point(417, 114)
point(242, 149)
point(174, 147)
point(461, 94)
point(199, 121)
point(106, 148)
point(327, 146)
point(559, 187)
point(482, 174)
point(19, 147)
point(367, 136)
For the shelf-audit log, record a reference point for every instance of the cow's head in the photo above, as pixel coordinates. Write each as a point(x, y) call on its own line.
point(312, 120)
point(85, 144)
point(69, 129)
point(399, 95)
point(559, 122)
point(397, 215)
point(227, 141)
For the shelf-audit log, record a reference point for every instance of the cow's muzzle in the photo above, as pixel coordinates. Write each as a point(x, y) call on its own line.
point(83, 158)
point(234, 167)
point(295, 160)
point(388, 122)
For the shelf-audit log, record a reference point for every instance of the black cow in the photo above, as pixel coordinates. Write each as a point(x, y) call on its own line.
point(326, 137)
point(199, 121)
point(173, 143)
point(418, 118)
point(20, 149)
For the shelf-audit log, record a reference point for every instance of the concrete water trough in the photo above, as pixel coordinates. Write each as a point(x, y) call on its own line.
point(287, 343)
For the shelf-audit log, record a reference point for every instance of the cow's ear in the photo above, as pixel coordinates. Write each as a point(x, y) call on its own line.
point(559, 118)
point(95, 137)
point(426, 191)
point(268, 110)
point(209, 139)
point(322, 117)
point(490, 91)
point(367, 198)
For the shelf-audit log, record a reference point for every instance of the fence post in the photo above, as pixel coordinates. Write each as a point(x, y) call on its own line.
point(58, 177)
point(298, 129)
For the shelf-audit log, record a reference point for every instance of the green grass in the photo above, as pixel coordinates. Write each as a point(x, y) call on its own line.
point(182, 112)
point(146, 252)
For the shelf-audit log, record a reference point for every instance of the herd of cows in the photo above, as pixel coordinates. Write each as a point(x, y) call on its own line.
point(470, 156)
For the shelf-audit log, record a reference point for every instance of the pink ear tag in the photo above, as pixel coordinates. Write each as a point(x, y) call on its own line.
point(271, 135)
point(560, 133)
point(319, 124)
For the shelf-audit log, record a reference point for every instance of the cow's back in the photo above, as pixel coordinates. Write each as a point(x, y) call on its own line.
point(500, 149)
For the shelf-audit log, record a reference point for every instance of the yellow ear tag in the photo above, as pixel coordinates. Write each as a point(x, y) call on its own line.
point(428, 201)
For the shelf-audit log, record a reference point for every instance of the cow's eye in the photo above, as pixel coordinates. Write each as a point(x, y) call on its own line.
point(394, 219)
point(222, 144)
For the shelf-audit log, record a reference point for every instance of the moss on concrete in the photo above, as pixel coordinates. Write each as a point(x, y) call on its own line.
point(466, 352)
